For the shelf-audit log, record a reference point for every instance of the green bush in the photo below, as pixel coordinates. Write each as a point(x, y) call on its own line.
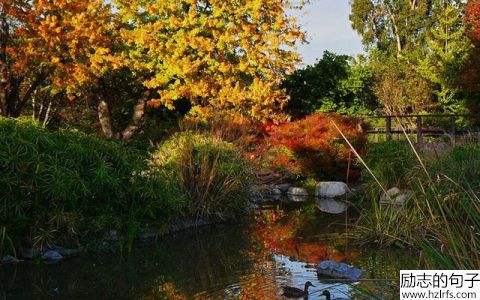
point(212, 173)
point(67, 185)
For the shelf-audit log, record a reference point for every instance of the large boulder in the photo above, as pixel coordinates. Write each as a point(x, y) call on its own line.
point(396, 196)
point(337, 270)
point(331, 189)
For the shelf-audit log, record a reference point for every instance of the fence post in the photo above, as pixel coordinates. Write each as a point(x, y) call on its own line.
point(389, 127)
point(453, 133)
point(419, 131)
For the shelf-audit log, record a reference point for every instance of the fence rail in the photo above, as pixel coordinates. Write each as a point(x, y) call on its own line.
point(419, 128)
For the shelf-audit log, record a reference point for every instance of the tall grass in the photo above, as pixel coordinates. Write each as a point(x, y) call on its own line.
point(447, 210)
point(442, 219)
point(212, 173)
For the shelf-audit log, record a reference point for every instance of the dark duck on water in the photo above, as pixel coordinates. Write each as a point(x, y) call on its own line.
point(327, 295)
point(293, 292)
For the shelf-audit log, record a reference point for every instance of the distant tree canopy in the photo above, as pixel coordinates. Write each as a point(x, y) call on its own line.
point(420, 48)
point(335, 83)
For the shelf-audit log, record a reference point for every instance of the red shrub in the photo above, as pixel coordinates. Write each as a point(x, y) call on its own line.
point(472, 18)
point(313, 147)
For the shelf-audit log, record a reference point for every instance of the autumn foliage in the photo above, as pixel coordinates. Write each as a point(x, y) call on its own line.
point(473, 20)
point(313, 147)
point(56, 45)
point(470, 76)
point(228, 56)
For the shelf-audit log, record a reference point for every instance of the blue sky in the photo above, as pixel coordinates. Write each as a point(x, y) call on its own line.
point(328, 28)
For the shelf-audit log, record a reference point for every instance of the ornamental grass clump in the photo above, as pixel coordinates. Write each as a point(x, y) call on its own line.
point(68, 187)
point(211, 173)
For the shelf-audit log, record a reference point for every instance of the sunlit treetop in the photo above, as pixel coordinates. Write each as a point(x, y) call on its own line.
point(228, 56)
point(66, 41)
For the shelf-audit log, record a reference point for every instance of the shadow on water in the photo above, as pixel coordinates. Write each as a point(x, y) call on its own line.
point(282, 247)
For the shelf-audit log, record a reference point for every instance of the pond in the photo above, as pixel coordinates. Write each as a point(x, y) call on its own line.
point(281, 246)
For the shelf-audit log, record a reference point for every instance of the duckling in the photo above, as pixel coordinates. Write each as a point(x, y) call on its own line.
point(327, 295)
point(293, 292)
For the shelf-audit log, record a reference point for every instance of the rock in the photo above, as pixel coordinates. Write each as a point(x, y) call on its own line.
point(66, 252)
point(8, 259)
point(51, 255)
point(265, 193)
point(331, 189)
point(396, 196)
point(295, 198)
point(333, 269)
point(283, 187)
point(296, 191)
point(331, 206)
point(274, 192)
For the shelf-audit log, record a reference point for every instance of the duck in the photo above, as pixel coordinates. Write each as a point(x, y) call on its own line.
point(293, 292)
point(327, 295)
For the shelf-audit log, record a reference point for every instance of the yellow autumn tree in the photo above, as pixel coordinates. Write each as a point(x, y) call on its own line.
point(223, 56)
point(61, 44)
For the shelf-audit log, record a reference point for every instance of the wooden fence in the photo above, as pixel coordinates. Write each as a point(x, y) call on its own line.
point(420, 130)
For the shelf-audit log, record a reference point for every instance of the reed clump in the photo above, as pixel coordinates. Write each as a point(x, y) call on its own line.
point(211, 173)
point(442, 218)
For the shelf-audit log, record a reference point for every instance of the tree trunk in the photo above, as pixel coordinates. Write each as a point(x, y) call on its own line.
point(137, 117)
point(105, 119)
point(396, 33)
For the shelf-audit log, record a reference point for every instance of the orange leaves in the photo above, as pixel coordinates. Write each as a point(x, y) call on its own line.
point(313, 147)
point(228, 56)
point(473, 20)
point(68, 40)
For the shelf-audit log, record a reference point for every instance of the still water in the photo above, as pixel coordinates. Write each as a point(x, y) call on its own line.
point(281, 246)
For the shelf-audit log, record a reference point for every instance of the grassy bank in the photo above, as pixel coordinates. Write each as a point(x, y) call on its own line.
point(441, 219)
point(69, 188)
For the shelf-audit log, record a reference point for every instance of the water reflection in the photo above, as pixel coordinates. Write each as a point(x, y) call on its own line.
point(331, 206)
point(282, 247)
